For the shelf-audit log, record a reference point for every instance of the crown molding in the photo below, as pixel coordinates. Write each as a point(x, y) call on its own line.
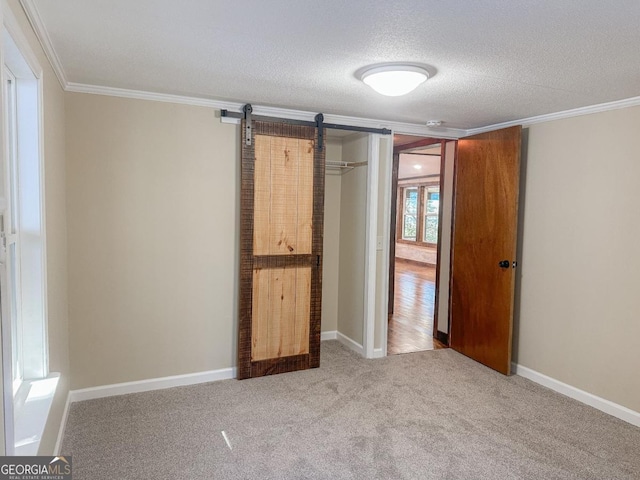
point(35, 20)
point(398, 127)
point(575, 112)
point(156, 97)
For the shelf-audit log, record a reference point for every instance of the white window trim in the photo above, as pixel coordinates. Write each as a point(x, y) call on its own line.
point(37, 419)
point(428, 190)
point(405, 190)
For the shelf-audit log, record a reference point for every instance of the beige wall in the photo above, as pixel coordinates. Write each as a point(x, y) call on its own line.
point(352, 239)
point(331, 246)
point(578, 319)
point(56, 230)
point(152, 216)
point(153, 224)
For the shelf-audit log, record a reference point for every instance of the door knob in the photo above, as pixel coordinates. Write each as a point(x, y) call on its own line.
point(504, 264)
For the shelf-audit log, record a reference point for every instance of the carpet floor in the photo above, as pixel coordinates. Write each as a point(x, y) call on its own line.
point(426, 415)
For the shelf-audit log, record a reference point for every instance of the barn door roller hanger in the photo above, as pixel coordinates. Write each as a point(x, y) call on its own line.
point(247, 115)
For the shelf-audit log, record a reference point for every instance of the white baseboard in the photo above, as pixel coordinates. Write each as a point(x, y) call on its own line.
point(160, 383)
point(606, 406)
point(356, 347)
point(331, 335)
point(151, 384)
point(378, 353)
point(168, 382)
point(63, 426)
point(351, 344)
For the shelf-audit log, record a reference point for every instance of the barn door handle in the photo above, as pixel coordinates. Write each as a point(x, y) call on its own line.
point(504, 264)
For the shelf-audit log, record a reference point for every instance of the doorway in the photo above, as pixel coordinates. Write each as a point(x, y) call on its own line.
point(476, 251)
point(413, 276)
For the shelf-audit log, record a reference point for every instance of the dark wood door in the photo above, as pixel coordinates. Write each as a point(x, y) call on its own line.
point(281, 228)
point(485, 216)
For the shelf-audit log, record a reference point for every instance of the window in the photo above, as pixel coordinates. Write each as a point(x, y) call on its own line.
point(28, 386)
point(410, 214)
point(10, 233)
point(418, 214)
point(431, 209)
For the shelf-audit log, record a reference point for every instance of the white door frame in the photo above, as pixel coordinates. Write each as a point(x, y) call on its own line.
point(377, 248)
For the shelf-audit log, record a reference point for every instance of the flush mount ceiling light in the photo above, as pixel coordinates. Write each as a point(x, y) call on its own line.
point(394, 80)
point(417, 166)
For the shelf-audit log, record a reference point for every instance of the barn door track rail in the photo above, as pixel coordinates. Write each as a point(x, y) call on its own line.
point(248, 117)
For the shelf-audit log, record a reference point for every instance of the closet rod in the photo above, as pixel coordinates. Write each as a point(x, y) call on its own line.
point(342, 163)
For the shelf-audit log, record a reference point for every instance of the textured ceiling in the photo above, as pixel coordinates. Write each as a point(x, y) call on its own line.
point(429, 165)
point(494, 61)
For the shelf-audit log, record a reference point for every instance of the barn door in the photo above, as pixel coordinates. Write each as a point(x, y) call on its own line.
point(281, 227)
point(485, 219)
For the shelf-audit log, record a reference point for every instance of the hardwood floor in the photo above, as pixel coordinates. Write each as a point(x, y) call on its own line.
point(411, 325)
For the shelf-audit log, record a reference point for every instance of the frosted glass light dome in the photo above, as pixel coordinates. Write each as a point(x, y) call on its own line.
point(394, 80)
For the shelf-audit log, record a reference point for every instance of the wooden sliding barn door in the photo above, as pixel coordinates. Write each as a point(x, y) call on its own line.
point(281, 228)
point(485, 223)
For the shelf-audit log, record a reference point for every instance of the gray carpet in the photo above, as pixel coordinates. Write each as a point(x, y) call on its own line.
point(429, 415)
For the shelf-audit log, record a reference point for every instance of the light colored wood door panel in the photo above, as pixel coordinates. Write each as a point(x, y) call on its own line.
point(281, 312)
point(305, 197)
point(283, 205)
point(262, 197)
point(302, 312)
